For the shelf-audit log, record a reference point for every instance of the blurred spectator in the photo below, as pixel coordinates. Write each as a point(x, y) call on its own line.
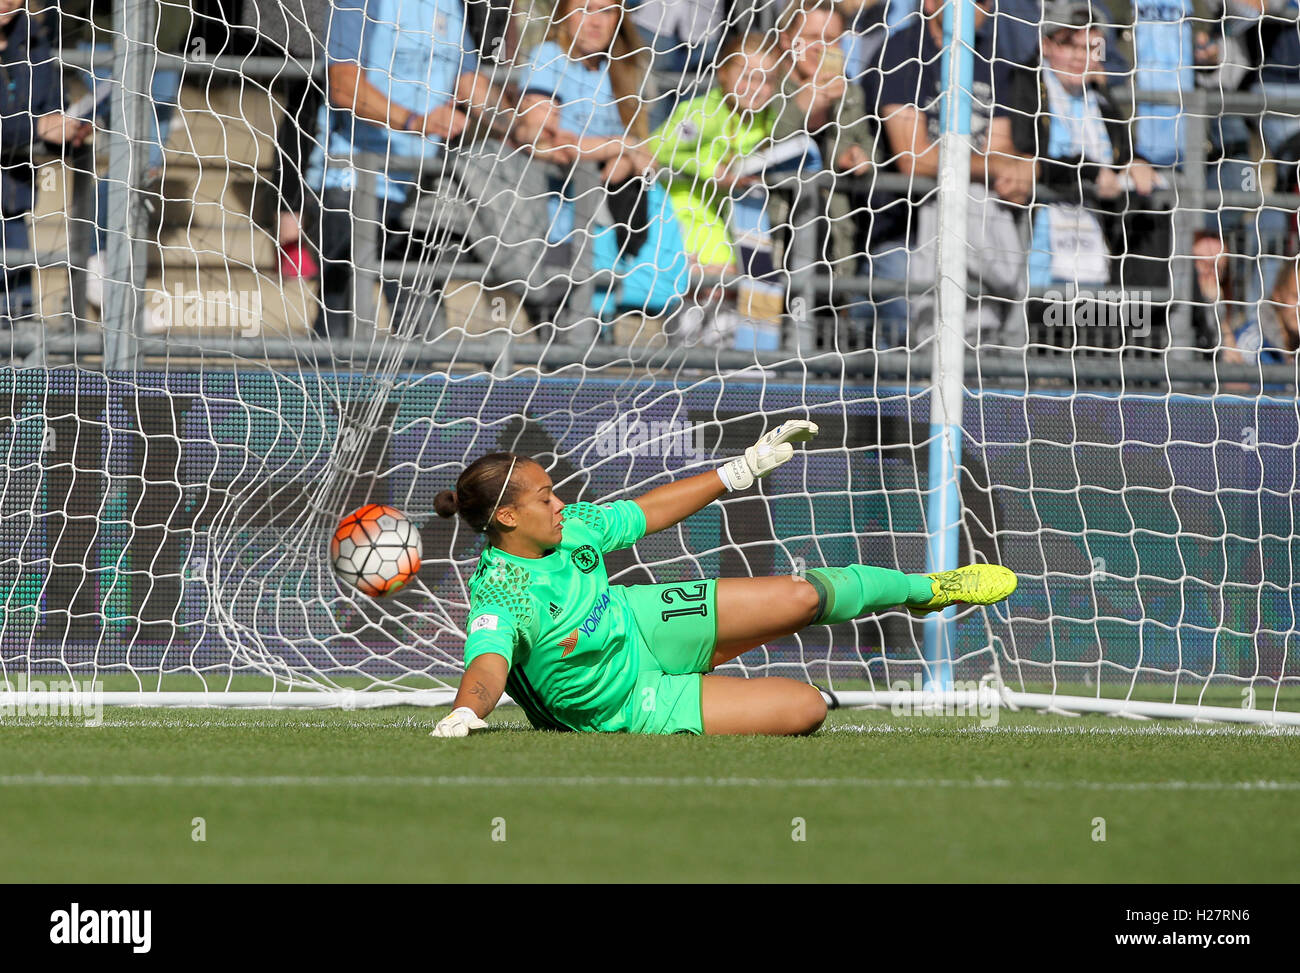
point(683, 36)
point(31, 113)
point(1014, 28)
point(1272, 334)
point(1011, 30)
point(1278, 40)
point(705, 145)
point(819, 100)
point(173, 27)
point(1223, 57)
point(404, 84)
point(906, 93)
point(588, 75)
point(1253, 46)
point(864, 34)
point(1224, 64)
point(682, 33)
point(1084, 155)
point(295, 30)
point(1275, 39)
point(1163, 60)
point(1216, 310)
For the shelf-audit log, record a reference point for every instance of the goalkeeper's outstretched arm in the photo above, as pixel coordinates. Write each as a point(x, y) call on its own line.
point(672, 503)
point(480, 691)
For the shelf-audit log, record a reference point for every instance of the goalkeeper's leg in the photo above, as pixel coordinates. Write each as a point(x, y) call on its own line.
point(753, 611)
point(784, 707)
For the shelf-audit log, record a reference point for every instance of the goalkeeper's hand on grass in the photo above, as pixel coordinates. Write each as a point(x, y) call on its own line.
point(458, 723)
point(766, 455)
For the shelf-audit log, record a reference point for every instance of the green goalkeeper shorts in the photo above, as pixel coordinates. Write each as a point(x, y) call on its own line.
point(677, 624)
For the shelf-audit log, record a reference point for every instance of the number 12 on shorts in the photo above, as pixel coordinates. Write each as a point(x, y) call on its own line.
point(680, 594)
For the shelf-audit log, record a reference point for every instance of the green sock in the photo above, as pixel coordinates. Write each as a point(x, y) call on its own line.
point(860, 589)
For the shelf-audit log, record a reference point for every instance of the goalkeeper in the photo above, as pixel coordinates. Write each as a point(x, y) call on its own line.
point(578, 653)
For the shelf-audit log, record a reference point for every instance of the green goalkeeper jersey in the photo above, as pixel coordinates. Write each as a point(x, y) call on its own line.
point(566, 633)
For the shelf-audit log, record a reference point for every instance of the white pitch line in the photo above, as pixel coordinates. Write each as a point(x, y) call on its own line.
point(885, 783)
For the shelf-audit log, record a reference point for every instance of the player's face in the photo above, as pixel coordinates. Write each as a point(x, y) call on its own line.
point(535, 515)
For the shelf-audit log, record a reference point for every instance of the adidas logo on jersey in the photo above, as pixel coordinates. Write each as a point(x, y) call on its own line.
point(556, 610)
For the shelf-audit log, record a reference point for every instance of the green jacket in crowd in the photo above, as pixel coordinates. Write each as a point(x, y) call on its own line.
point(701, 134)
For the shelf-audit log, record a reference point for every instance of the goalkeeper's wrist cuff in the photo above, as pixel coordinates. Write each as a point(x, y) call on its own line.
point(736, 474)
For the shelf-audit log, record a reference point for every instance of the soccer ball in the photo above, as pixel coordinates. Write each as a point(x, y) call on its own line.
point(376, 550)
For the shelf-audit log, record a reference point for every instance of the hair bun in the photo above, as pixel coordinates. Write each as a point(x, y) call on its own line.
point(445, 504)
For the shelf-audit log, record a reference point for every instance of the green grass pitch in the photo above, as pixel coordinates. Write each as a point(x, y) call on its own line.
point(362, 796)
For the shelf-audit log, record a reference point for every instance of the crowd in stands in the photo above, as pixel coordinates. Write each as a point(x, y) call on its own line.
point(672, 153)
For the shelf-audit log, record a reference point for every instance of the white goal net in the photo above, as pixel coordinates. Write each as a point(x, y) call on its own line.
point(1035, 279)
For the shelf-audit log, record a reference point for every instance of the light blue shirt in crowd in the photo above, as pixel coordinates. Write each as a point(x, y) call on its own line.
point(413, 51)
point(1064, 141)
point(583, 89)
point(588, 106)
point(1163, 53)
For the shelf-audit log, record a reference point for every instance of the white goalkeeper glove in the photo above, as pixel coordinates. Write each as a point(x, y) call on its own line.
point(458, 723)
point(766, 454)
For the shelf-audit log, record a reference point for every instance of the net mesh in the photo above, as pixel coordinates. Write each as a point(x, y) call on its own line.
point(265, 262)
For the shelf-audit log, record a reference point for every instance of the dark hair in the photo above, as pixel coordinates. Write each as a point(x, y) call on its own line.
point(1068, 15)
point(1288, 275)
point(478, 489)
point(1226, 278)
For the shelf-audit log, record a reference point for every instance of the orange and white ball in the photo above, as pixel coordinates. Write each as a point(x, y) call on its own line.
point(376, 550)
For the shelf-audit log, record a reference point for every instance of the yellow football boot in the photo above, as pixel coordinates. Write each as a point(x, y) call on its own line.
point(975, 584)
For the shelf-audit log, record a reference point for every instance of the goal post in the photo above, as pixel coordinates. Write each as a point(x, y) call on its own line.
point(1069, 364)
point(947, 374)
